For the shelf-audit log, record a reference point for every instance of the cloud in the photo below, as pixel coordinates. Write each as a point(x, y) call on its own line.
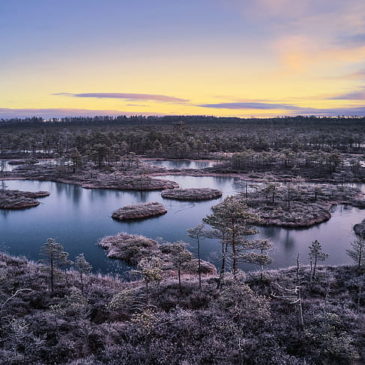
point(7, 113)
point(251, 105)
point(349, 111)
point(357, 39)
point(357, 75)
point(290, 109)
point(353, 95)
point(127, 96)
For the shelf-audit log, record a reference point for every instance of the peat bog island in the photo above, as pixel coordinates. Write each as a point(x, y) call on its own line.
point(182, 182)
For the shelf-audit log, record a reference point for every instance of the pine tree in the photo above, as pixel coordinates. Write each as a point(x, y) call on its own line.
point(315, 254)
point(83, 267)
point(260, 258)
point(150, 269)
point(232, 223)
point(198, 233)
point(180, 257)
point(357, 253)
point(54, 255)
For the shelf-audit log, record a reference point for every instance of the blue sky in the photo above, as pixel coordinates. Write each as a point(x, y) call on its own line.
point(220, 57)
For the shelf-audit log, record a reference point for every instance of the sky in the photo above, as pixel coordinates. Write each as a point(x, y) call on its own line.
point(242, 58)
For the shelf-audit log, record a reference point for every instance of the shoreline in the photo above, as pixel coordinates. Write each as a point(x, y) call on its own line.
point(326, 205)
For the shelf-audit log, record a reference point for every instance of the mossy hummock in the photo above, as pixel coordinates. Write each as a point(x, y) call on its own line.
point(15, 199)
point(139, 211)
point(192, 194)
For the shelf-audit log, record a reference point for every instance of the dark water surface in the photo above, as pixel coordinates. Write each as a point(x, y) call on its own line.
point(78, 218)
point(182, 164)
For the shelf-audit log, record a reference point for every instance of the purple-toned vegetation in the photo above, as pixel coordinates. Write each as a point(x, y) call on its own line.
point(105, 321)
point(15, 199)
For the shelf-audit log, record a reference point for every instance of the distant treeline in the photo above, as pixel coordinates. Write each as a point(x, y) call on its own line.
point(195, 119)
point(179, 136)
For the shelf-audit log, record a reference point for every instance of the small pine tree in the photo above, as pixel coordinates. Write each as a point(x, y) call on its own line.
point(232, 220)
point(198, 233)
point(180, 257)
point(260, 258)
point(83, 267)
point(357, 253)
point(315, 254)
point(54, 255)
point(150, 269)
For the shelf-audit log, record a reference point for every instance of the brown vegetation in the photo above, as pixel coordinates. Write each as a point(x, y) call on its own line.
point(246, 321)
point(296, 204)
point(139, 211)
point(193, 194)
point(360, 229)
point(15, 199)
point(134, 248)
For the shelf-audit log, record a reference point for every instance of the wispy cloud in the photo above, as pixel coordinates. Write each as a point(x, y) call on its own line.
point(289, 109)
point(353, 95)
point(251, 105)
point(357, 75)
point(349, 111)
point(357, 39)
point(127, 96)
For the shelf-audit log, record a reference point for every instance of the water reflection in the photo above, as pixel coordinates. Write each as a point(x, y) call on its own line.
point(78, 218)
point(182, 164)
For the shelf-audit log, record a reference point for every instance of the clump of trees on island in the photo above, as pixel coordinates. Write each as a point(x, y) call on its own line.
point(296, 204)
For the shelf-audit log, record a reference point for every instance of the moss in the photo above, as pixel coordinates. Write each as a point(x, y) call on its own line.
point(15, 199)
point(192, 194)
point(139, 211)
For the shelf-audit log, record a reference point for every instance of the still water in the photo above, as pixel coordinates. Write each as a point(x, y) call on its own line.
point(78, 218)
point(6, 167)
point(182, 164)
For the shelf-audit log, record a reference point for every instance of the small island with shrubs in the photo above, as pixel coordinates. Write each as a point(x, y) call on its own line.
point(15, 199)
point(192, 194)
point(137, 250)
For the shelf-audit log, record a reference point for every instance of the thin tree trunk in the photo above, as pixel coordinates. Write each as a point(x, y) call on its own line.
point(234, 253)
point(314, 267)
point(223, 266)
point(179, 276)
point(82, 283)
point(360, 258)
point(300, 310)
point(311, 272)
point(52, 274)
point(359, 298)
point(199, 266)
point(234, 261)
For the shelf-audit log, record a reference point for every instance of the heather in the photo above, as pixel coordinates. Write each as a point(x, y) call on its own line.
point(249, 320)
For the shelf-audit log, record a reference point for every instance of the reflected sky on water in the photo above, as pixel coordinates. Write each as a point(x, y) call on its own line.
point(79, 217)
